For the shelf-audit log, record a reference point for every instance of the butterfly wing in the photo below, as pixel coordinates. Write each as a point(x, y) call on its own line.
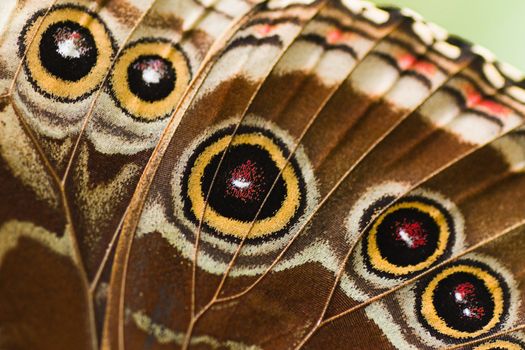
point(225, 250)
point(83, 106)
point(328, 175)
point(222, 100)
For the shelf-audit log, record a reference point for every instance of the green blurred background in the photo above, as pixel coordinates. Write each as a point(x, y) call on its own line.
point(498, 25)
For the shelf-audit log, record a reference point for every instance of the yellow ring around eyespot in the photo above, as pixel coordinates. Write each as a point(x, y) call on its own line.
point(133, 104)
point(234, 227)
point(429, 311)
point(380, 263)
point(502, 344)
point(59, 87)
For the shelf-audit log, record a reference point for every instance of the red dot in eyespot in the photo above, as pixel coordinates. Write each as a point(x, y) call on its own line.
point(474, 312)
point(245, 182)
point(411, 233)
point(464, 291)
point(153, 70)
point(465, 297)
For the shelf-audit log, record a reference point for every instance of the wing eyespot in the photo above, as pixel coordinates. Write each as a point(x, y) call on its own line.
point(149, 79)
point(258, 158)
point(247, 172)
point(401, 237)
point(409, 237)
point(70, 54)
point(462, 301)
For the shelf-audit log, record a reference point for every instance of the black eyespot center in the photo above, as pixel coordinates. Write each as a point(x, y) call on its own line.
point(68, 50)
point(245, 176)
point(407, 236)
point(151, 77)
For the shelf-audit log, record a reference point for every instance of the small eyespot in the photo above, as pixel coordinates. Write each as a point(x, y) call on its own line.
point(409, 237)
point(460, 302)
point(70, 54)
point(149, 79)
point(464, 300)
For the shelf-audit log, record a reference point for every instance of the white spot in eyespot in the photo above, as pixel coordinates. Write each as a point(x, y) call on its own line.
point(151, 76)
point(68, 49)
point(467, 312)
point(406, 238)
point(458, 296)
point(241, 183)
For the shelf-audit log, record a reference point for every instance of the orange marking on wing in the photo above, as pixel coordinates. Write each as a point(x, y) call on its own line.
point(495, 108)
point(265, 29)
point(334, 36)
point(475, 99)
point(425, 67)
point(405, 61)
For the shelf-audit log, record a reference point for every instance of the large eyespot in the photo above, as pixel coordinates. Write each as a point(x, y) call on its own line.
point(70, 55)
point(464, 300)
point(149, 79)
point(409, 236)
point(249, 168)
point(250, 165)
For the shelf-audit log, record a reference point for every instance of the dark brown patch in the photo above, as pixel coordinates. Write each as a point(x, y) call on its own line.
point(4, 102)
point(4, 72)
point(162, 20)
point(201, 40)
point(159, 285)
point(42, 300)
point(291, 100)
point(124, 12)
point(19, 203)
point(356, 332)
